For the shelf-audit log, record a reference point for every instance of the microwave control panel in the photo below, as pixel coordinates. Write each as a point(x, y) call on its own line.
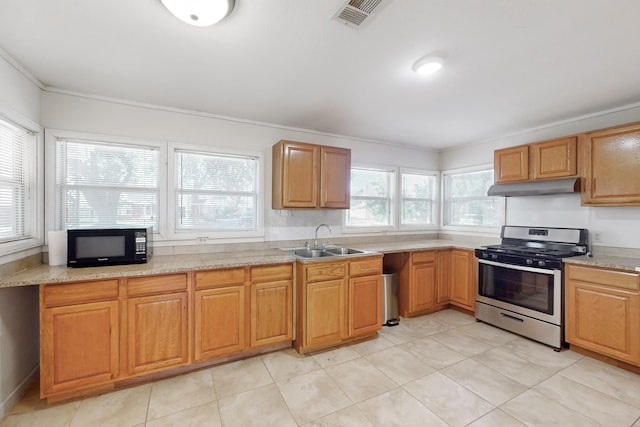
point(141, 243)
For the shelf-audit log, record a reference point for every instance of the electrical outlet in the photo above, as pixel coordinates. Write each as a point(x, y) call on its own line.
point(597, 237)
point(201, 240)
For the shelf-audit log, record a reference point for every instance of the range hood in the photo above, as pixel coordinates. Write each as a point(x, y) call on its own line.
point(536, 188)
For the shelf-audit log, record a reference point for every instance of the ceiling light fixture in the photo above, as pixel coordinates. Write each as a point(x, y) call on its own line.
point(428, 64)
point(200, 13)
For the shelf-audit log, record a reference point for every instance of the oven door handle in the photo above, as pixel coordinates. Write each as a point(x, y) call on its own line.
point(518, 267)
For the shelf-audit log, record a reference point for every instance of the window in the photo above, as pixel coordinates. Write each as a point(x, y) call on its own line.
point(371, 198)
point(17, 183)
point(215, 192)
point(418, 199)
point(466, 202)
point(104, 184)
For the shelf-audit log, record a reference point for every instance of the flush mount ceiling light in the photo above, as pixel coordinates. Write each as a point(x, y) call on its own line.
point(200, 13)
point(428, 65)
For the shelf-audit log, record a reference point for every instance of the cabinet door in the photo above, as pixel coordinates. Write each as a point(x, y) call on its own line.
point(219, 321)
point(511, 164)
point(325, 312)
point(271, 312)
point(157, 332)
point(443, 275)
point(555, 159)
point(80, 346)
point(365, 305)
point(297, 186)
point(335, 177)
point(423, 286)
point(610, 159)
point(463, 284)
point(605, 320)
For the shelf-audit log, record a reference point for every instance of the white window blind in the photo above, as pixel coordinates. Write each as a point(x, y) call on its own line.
point(17, 161)
point(215, 192)
point(418, 199)
point(370, 198)
point(101, 185)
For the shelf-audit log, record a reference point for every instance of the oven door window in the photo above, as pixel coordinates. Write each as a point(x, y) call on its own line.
point(532, 290)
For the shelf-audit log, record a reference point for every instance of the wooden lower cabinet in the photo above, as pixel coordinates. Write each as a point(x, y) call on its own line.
point(219, 321)
point(79, 346)
point(325, 313)
point(462, 279)
point(79, 335)
point(157, 332)
point(430, 280)
point(271, 312)
point(96, 335)
point(337, 302)
point(602, 311)
point(365, 303)
point(443, 276)
point(423, 279)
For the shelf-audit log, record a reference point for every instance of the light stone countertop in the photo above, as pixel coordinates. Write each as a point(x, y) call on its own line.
point(607, 261)
point(166, 264)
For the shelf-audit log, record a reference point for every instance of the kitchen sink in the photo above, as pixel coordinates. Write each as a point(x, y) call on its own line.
point(311, 253)
point(329, 251)
point(344, 251)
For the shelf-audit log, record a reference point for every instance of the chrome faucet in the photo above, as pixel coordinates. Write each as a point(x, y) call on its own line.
point(315, 242)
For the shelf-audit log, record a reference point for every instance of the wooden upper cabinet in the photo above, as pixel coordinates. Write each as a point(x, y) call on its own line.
point(335, 177)
point(555, 158)
point(611, 165)
point(309, 176)
point(511, 164)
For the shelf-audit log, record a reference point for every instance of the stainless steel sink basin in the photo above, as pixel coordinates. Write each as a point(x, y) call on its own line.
point(311, 253)
point(344, 251)
point(329, 251)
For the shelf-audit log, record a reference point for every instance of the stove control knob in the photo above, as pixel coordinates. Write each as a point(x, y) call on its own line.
point(485, 255)
point(541, 263)
point(494, 256)
point(529, 261)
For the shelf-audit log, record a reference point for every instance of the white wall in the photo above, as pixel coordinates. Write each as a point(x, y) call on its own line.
point(79, 113)
point(19, 336)
point(616, 226)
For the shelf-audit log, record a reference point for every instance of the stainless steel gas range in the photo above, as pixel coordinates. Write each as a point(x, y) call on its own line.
point(520, 286)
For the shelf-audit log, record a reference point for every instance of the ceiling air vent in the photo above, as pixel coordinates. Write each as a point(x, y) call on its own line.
point(355, 12)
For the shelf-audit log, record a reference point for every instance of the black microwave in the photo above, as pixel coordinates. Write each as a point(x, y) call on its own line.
point(109, 246)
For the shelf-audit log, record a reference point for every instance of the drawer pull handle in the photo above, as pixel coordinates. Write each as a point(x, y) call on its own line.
point(512, 317)
point(369, 268)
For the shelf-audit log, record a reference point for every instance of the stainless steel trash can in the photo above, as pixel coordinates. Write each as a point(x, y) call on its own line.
point(390, 298)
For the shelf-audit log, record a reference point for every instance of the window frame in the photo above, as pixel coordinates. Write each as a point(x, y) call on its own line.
point(484, 229)
point(393, 209)
point(436, 200)
point(52, 136)
point(199, 235)
point(36, 191)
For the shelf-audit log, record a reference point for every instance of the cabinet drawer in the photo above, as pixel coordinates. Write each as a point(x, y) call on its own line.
point(326, 271)
point(426, 256)
point(78, 293)
point(365, 267)
point(216, 278)
point(270, 273)
point(618, 279)
point(156, 284)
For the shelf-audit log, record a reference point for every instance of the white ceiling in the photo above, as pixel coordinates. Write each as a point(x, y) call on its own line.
point(511, 64)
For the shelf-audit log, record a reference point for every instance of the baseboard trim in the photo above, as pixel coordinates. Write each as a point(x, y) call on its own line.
point(19, 391)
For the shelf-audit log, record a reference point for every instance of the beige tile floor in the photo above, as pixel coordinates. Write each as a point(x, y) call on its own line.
point(443, 369)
